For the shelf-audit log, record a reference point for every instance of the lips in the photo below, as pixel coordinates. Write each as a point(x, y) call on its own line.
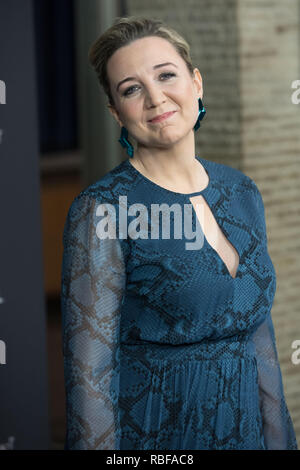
point(162, 116)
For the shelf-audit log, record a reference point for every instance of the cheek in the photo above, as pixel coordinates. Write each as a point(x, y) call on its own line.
point(185, 96)
point(132, 109)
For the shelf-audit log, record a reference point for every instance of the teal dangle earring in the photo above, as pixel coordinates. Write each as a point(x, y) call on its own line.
point(125, 142)
point(201, 114)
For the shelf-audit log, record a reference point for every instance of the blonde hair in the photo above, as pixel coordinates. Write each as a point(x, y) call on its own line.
point(126, 30)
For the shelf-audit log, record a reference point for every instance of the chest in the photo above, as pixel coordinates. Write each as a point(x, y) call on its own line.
point(214, 235)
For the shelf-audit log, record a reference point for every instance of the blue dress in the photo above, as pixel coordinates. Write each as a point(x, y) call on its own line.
point(163, 348)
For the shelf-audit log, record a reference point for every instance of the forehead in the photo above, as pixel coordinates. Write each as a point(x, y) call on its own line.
point(142, 54)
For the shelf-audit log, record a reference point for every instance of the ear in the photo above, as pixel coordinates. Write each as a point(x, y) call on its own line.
point(198, 82)
point(115, 114)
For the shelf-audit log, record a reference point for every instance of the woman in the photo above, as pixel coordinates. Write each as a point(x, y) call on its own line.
point(168, 343)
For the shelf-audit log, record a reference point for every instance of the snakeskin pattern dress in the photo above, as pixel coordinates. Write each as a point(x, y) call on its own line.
point(163, 348)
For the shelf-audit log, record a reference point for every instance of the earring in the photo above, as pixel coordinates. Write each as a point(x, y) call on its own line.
point(125, 142)
point(201, 114)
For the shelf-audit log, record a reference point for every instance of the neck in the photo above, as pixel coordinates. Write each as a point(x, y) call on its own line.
point(170, 164)
point(175, 168)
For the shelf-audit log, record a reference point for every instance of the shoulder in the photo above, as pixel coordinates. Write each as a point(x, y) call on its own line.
point(248, 187)
point(246, 198)
point(98, 199)
point(105, 190)
point(224, 173)
point(110, 186)
point(243, 189)
point(235, 177)
point(246, 201)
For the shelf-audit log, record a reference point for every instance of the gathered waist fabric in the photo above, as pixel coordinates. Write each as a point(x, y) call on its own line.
point(213, 350)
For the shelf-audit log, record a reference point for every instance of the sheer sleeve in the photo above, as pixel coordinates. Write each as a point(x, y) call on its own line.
point(93, 281)
point(278, 428)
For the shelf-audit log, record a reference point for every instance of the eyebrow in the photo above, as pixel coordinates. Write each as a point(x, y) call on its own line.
point(134, 78)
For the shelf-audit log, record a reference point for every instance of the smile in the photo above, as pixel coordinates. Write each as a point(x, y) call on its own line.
point(162, 117)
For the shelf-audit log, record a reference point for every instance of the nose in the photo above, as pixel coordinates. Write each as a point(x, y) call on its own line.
point(154, 97)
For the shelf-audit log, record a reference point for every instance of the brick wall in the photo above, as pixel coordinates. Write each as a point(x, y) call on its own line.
point(248, 52)
point(269, 62)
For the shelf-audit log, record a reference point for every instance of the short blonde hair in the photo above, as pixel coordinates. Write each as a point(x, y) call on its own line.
point(126, 30)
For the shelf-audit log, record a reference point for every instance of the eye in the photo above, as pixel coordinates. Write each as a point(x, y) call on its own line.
point(126, 92)
point(165, 74)
point(170, 74)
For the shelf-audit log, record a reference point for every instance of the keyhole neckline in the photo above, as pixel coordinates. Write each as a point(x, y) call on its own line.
point(213, 250)
point(203, 192)
point(161, 188)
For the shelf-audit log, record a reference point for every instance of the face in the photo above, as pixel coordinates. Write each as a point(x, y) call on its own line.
point(152, 89)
